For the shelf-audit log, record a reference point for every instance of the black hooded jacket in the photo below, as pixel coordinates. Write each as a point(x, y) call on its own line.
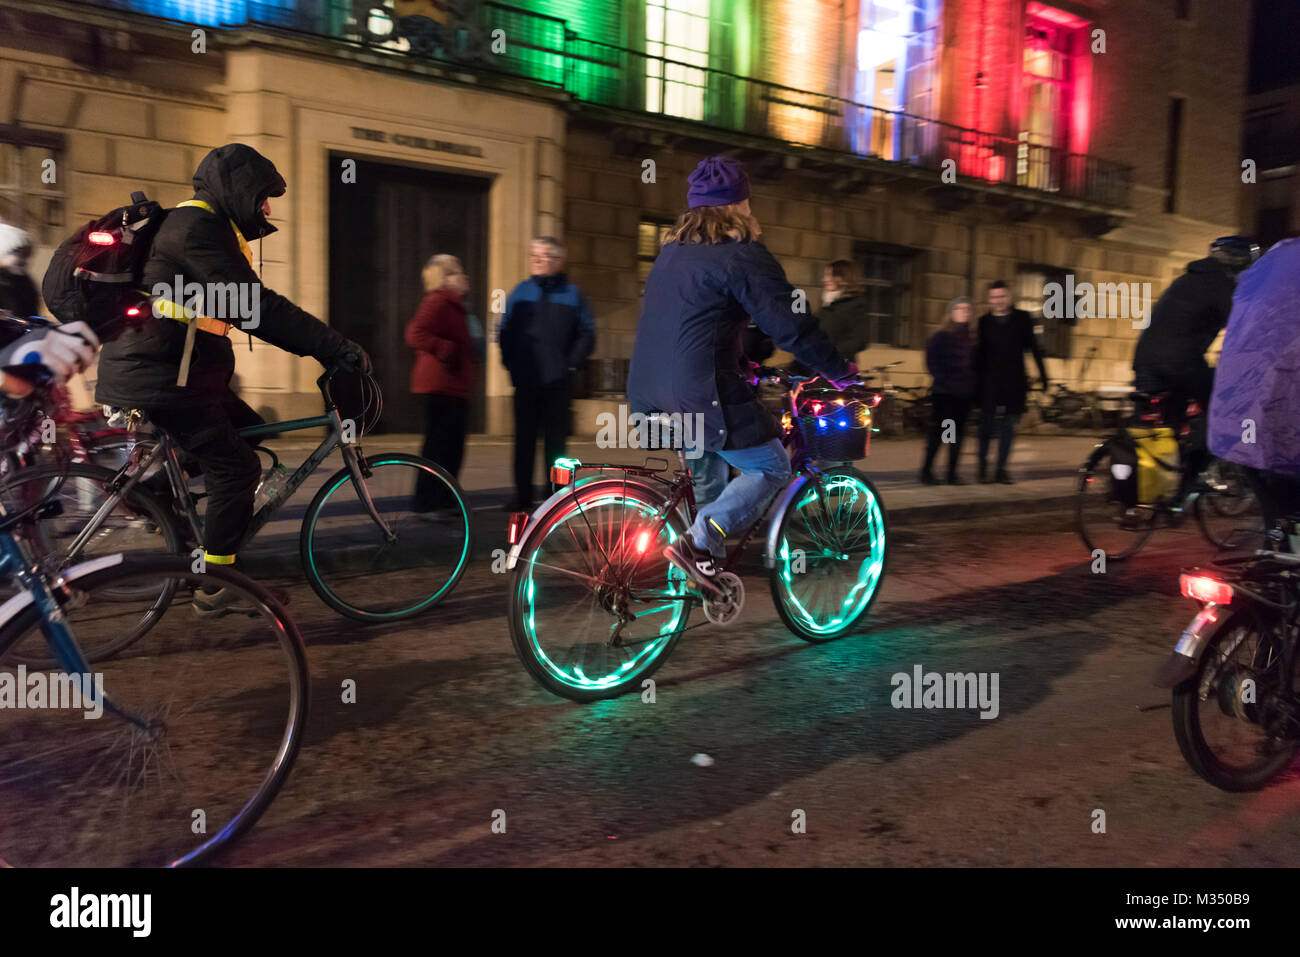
point(1185, 320)
point(139, 368)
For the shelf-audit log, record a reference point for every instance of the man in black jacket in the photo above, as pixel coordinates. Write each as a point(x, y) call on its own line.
point(1005, 335)
point(204, 241)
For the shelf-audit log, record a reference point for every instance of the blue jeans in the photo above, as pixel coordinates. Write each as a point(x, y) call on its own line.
point(732, 507)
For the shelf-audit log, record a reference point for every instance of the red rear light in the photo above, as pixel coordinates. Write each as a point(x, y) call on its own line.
point(515, 530)
point(101, 238)
point(133, 311)
point(1206, 589)
point(561, 475)
point(643, 542)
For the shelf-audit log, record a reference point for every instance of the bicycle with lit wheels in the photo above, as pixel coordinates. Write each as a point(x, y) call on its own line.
point(366, 549)
point(595, 607)
point(164, 756)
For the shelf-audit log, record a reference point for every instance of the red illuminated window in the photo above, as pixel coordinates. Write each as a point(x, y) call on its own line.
point(1055, 102)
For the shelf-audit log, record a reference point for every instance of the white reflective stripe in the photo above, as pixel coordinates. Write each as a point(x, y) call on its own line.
point(14, 605)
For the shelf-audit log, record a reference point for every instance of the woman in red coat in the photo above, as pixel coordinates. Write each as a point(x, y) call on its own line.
point(445, 371)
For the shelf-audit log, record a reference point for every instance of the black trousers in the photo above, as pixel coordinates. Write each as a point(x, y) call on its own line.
point(446, 421)
point(207, 430)
point(944, 408)
point(1004, 424)
point(544, 409)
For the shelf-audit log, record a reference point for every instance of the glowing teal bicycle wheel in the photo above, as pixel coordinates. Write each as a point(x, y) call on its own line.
point(594, 606)
point(830, 555)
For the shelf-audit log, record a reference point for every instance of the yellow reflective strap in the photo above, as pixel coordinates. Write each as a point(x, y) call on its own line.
point(721, 531)
point(218, 559)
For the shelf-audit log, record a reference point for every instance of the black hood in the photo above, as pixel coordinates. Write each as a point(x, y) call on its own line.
point(1211, 265)
point(236, 179)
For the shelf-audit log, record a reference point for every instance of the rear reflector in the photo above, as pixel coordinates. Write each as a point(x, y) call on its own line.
point(1206, 589)
point(515, 530)
point(561, 475)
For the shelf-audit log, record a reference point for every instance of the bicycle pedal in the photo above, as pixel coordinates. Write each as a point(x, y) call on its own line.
point(726, 611)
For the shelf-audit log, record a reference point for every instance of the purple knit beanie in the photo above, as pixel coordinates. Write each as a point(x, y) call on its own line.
point(717, 181)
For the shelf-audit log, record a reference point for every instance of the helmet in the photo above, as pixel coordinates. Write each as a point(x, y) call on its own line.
point(1236, 251)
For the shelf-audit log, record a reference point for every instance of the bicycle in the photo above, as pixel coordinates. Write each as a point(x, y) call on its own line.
point(344, 540)
point(190, 740)
point(595, 608)
point(1113, 516)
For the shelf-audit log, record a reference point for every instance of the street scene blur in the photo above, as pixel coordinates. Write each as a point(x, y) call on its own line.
point(649, 432)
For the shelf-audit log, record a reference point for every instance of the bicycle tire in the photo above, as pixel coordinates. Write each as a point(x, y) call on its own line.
point(288, 639)
point(140, 500)
point(1090, 471)
point(313, 552)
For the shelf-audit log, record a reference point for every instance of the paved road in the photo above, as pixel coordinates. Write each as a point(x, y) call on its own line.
point(447, 730)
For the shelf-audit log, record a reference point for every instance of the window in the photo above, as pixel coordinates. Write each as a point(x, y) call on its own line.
point(1172, 144)
point(1027, 293)
point(31, 183)
point(649, 237)
point(887, 289)
point(1054, 96)
point(676, 30)
point(895, 72)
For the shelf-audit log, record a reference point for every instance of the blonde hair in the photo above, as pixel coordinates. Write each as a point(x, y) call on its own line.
point(434, 273)
point(714, 224)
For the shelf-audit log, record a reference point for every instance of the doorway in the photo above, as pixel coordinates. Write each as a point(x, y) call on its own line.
point(382, 230)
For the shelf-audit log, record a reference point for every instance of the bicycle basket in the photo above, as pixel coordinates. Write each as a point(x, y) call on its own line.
point(834, 429)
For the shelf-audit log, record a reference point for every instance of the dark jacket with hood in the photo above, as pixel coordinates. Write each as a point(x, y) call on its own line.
point(139, 368)
point(18, 294)
point(687, 358)
point(1185, 320)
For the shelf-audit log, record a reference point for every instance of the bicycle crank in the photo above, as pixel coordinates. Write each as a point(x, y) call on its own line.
point(725, 611)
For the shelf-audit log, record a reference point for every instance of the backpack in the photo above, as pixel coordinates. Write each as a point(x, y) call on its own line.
point(95, 274)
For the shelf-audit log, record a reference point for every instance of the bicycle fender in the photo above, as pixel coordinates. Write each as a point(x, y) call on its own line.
point(517, 549)
point(774, 527)
point(1182, 661)
point(10, 609)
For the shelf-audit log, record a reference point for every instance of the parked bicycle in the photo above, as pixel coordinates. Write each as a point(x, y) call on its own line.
point(594, 606)
point(162, 757)
point(1134, 481)
point(360, 527)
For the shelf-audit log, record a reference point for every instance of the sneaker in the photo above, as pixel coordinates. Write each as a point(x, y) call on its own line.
point(227, 601)
point(698, 564)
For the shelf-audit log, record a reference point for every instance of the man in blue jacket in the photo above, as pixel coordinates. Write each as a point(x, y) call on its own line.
point(711, 277)
point(546, 335)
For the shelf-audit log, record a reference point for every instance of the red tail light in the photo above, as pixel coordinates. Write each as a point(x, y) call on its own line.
point(643, 542)
point(101, 238)
point(133, 311)
point(515, 530)
point(1206, 589)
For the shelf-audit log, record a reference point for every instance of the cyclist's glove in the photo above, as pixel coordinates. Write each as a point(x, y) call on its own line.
point(353, 358)
point(64, 350)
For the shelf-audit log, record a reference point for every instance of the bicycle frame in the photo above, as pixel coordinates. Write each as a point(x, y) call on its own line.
point(163, 450)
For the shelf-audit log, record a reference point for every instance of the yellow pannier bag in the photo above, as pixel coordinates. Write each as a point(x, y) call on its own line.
point(1157, 463)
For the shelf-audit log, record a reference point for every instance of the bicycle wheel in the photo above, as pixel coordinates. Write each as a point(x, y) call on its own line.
point(141, 524)
point(1105, 522)
point(830, 559)
point(344, 551)
point(1218, 717)
point(1227, 509)
point(595, 560)
point(202, 728)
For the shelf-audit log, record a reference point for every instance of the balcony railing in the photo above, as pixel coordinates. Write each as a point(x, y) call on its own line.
point(541, 49)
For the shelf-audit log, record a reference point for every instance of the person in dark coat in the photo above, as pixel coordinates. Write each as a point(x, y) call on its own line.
point(17, 290)
point(950, 359)
point(712, 276)
point(843, 316)
point(1005, 335)
point(546, 335)
point(204, 241)
point(1170, 353)
point(443, 376)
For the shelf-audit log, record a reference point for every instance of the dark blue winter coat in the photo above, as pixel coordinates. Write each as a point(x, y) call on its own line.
point(687, 358)
point(546, 331)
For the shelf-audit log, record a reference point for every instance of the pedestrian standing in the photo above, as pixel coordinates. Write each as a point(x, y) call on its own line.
point(1005, 335)
point(950, 359)
point(17, 291)
point(444, 375)
point(546, 335)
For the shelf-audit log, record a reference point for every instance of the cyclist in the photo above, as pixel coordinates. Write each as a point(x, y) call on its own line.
point(1170, 354)
point(204, 241)
point(29, 353)
point(711, 276)
point(1256, 392)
